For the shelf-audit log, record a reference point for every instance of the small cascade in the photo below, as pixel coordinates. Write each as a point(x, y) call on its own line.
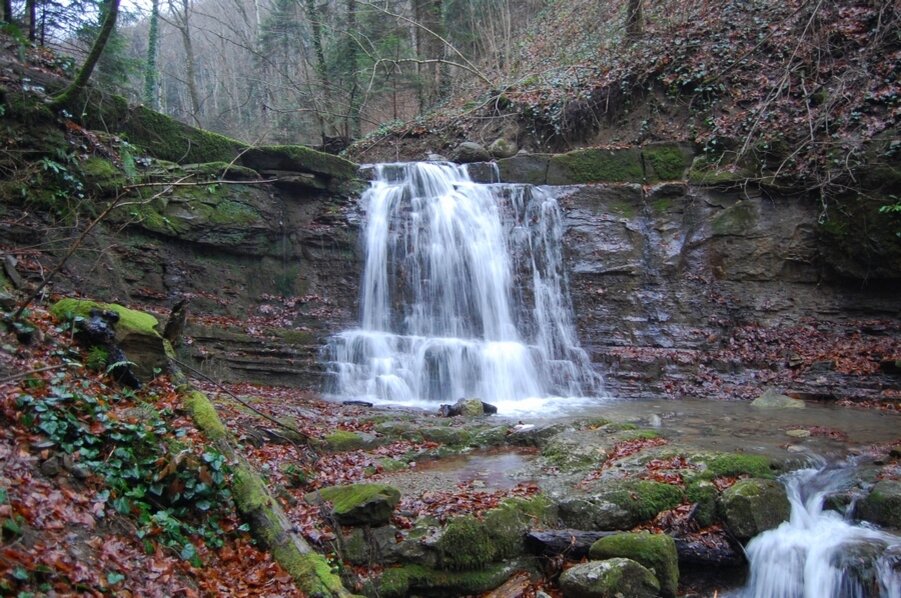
point(464, 294)
point(820, 554)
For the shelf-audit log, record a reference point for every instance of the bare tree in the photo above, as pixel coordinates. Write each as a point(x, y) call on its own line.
point(634, 19)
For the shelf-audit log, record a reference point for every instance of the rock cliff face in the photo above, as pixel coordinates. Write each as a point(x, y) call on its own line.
point(680, 289)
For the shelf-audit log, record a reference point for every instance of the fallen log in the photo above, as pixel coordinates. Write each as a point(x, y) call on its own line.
point(711, 550)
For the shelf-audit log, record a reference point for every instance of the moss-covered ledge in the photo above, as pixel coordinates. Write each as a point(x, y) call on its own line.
point(309, 569)
point(165, 138)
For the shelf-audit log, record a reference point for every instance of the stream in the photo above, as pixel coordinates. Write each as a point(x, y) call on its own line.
point(465, 294)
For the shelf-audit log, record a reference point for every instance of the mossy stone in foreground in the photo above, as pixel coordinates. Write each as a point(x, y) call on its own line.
point(657, 552)
point(612, 578)
point(360, 504)
point(753, 506)
point(733, 464)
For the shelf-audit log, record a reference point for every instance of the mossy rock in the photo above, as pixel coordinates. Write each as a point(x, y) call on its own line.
point(705, 495)
point(359, 504)
point(299, 158)
point(447, 435)
point(101, 175)
point(666, 161)
point(657, 552)
point(611, 578)
point(772, 399)
point(412, 580)
point(882, 505)
point(204, 415)
point(619, 505)
point(470, 543)
point(596, 165)
point(734, 464)
point(342, 441)
point(136, 332)
point(753, 506)
point(737, 220)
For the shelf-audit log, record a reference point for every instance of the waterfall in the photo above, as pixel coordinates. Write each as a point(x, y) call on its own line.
point(464, 294)
point(819, 554)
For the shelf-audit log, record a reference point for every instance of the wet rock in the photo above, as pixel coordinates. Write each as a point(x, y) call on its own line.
point(657, 552)
point(611, 578)
point(882, 505)
point(359, 504)
point(618, 505)
point(467, 407)
point(343, 440)
point(524, 168)
point(469, 151)
point(51, 467)
point(771, 399)
point(752, 506)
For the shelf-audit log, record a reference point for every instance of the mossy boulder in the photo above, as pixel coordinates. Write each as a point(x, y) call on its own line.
point(469, 152)
point(772, 399)
point(359, 504)
point(101, 175)
point(666, 161)
point(611, 578)
point(753, 506)
point(136, 332)
point(657, 552)
point(704, 494)
point(344, 440)
point(470, 543)
point(619, 505)
point(882, 505)
point(596, 165)
point(733, 464)
point(503, 148)
point(413, 580)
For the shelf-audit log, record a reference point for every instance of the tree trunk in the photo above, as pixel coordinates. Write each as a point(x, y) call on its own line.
point(81, 80)
point(353, 124)
point(31, 10)
point(325, 120)
point(634, 20)
point(151, 95)
point(190, 62)
point(428, 14)
point(8, 11)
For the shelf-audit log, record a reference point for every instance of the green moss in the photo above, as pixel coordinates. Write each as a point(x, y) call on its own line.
point(623, 209)
point(222, 170)
point(733, 464)
point(704, 494)
point(295, 337)
point(714, 175)
point(310, 570)
point(595, 166)
point(447, 435)
point(204, 415)
point(102, 175)
point(662, 205)
point(466, 544)
point(228, 212)
point(249, 490)
point(667, 162)
point(360, 503)
point(416, 579)
point(641, 435)
point(342, 440)
point(299, 158)
point(654, 497)
point(388, 464)
point(130, 320)
point(657, 552)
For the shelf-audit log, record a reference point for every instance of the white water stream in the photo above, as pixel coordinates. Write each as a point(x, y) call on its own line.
point(820, 554)
point(463, 295)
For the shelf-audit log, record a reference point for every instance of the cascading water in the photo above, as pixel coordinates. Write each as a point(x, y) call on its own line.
point(818, 554)
point(464, 295)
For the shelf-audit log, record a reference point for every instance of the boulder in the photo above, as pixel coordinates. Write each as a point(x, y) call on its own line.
point(774, 400)
point(135, 332)
point(752, 506)
point(469, 407)
point(359, 504)
point(524, 168)
point(469, 151)
point(619, 505)
point(502, 148)
point(657, 552)
point(609, 579)
point(882, 505)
